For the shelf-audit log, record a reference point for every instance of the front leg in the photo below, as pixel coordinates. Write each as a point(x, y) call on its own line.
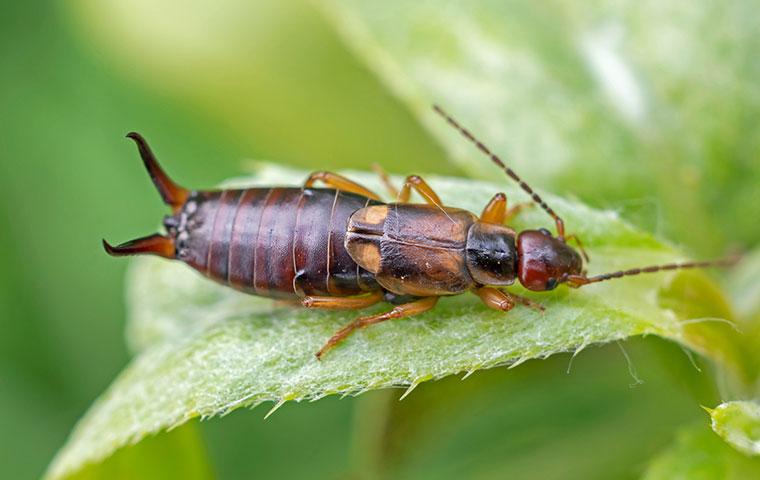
point(501, 300)
point(495, 298)
point(385, 179)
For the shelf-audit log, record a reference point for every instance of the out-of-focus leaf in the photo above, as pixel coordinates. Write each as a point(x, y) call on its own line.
point(738, 423)
point(542, 419)
point(189, 367)
point(613, 101)
point(743, 286)
point(699, 455)
point(176, 454)
point(271, 75)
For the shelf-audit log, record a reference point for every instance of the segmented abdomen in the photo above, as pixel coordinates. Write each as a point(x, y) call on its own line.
point(274, 242)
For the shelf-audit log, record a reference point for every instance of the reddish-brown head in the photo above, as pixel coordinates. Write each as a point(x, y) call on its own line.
point(544, 261)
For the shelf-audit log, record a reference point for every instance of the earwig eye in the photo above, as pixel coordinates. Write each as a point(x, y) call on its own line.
point(545, 232)
point(551, 284)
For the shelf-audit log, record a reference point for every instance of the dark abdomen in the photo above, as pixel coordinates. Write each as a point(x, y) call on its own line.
point(273, 242)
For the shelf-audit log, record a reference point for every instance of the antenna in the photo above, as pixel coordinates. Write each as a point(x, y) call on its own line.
point(511, 173)
point(577, 281)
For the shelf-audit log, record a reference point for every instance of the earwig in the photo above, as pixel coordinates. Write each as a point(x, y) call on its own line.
point(341, 247)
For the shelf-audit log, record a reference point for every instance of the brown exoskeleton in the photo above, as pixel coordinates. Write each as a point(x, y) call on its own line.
point(342, 248)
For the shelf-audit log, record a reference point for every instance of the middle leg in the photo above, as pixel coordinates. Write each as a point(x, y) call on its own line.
point(412, 182)
point(420, 186)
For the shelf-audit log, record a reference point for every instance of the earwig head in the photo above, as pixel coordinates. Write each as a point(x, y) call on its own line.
point(544, 260)
point(491, 255)
point(172, 194)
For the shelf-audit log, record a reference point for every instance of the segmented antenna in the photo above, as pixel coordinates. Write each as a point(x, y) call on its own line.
point(511, 173)
point(580, 280)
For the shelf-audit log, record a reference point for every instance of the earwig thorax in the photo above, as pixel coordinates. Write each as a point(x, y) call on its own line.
point(491, 254)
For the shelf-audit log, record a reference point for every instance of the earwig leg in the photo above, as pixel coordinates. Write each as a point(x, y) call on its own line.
point(512, 212)
point(420, 186)
point(527, 302)
point(580, 245)
point(401, 311)
point(386, 180)
point(504, 301)
point(343, 303)
point(339, 182)
point(496, 210)
point(496, 299)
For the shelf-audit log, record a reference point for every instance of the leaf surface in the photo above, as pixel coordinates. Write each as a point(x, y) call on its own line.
point(697, 454)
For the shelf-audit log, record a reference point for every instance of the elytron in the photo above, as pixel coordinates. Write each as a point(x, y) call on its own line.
point(341, 247)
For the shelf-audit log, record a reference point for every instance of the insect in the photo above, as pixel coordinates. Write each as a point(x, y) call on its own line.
point(341, 247)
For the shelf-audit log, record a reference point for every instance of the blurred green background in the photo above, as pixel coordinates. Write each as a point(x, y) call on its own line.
point(213, 84)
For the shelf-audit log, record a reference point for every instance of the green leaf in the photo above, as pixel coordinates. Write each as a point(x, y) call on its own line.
point(738, 423)
point(176, 454)
point(744, 288)
point(699, 455)
point(206, 349)
point(567, 406)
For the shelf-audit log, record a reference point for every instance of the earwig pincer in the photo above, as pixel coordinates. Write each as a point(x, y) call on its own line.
point(341, 247)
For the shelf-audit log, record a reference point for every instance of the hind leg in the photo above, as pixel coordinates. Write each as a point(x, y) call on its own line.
point(343, 303)
point(401, 311)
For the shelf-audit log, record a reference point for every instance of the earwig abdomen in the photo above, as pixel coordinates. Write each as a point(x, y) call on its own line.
point(273, 242)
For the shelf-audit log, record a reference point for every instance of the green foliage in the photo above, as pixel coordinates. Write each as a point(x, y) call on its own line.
point(646, 109)
point(207, 350)
point(176, 454)
point(700, 455)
